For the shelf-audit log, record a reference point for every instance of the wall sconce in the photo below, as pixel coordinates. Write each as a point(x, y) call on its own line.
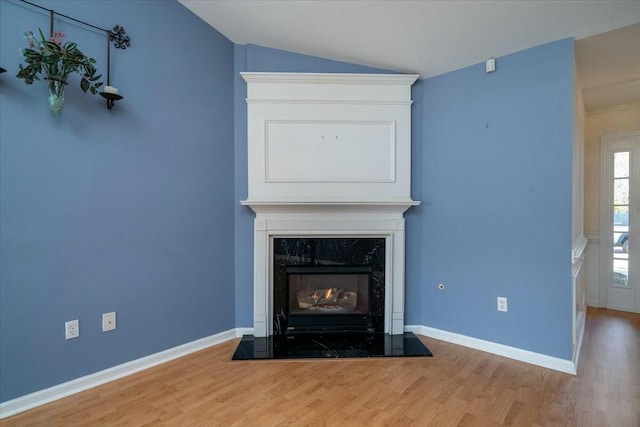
point(110, 93)
point(2, 70)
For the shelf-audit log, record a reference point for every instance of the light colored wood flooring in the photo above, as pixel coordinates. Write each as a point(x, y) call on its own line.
point(457, 387)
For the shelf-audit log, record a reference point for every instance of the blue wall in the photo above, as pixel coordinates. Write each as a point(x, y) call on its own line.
point(129, 210)
point(496, 193)
point(491, 164)
point(253, 58)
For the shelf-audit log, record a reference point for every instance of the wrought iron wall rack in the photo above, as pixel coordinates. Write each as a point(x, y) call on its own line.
point(117, 36)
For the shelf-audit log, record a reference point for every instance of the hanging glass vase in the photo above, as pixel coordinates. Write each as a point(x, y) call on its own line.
point(56, 94)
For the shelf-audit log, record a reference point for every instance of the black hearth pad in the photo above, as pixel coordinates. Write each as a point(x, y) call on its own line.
point(307, 346)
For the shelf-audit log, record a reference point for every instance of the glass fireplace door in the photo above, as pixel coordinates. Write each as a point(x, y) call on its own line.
point(328, 298)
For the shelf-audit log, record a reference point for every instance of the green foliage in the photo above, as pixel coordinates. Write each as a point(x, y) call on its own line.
point(57, 61)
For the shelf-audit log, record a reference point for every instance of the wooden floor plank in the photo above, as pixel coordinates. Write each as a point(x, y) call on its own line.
point(457, 387)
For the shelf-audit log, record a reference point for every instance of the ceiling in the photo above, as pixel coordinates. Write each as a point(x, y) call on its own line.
point(435, 37)
point(609, 68)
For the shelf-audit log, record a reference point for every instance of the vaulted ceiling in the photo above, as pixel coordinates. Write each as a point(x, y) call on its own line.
point(434, 37)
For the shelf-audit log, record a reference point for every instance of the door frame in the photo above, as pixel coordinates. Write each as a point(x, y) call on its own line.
point(608, 144)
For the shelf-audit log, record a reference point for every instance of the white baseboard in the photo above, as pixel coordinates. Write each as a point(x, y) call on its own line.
point(29, 401)
point(620, 308)
point(538, 359)
point(576, 355)
point(243, 331)
point(593, 303)
point(41, 397)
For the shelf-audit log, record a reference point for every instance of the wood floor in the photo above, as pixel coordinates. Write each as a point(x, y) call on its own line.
point(458, 387)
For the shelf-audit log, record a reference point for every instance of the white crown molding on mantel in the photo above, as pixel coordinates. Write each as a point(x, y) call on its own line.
point(330, 78)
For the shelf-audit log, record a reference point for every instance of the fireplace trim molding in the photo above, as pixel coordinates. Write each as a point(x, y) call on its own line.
point(328, 155)
point(327, 220)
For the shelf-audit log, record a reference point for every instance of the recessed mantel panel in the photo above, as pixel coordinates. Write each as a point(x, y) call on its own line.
point(307, 151)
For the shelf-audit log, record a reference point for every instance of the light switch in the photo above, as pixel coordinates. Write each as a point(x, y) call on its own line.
point(490, 65)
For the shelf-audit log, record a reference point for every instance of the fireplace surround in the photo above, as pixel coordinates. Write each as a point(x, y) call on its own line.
point(329, 157)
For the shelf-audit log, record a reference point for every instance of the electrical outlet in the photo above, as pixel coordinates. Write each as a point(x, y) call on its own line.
point(108, 321)
point(502, 303)
point(71, 329)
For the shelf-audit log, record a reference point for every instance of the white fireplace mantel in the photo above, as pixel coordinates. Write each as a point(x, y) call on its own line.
point(329, 155)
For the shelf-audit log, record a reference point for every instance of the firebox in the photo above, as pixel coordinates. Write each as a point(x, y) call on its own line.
point(328, 284)
point(324, 298)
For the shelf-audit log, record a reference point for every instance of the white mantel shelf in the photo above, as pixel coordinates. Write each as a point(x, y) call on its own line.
point(371, 205)
point(331, 202)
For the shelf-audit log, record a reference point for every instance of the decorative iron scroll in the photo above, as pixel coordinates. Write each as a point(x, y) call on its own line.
point(119, 37)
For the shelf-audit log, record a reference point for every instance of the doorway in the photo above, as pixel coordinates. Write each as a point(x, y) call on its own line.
point(620, 222)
